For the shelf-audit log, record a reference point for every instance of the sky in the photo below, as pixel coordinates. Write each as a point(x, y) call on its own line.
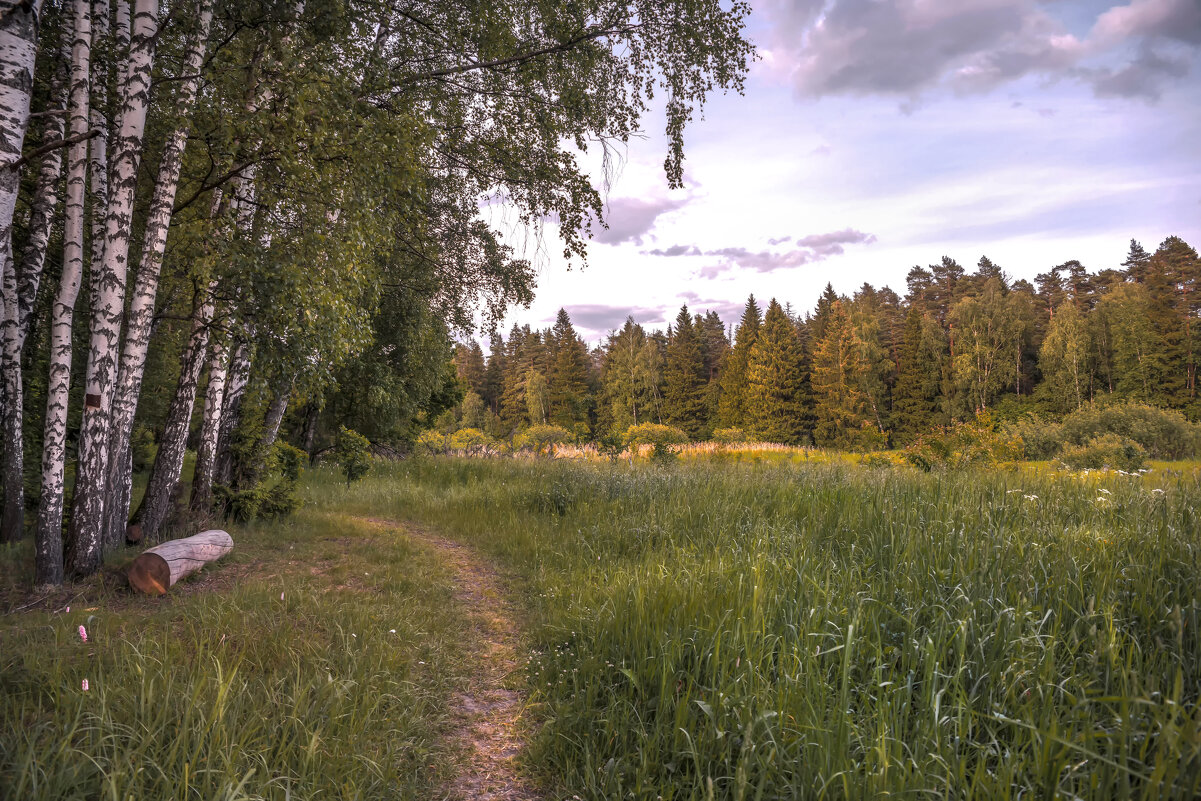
point(875, 135)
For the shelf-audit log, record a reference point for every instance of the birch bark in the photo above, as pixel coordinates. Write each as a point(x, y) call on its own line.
point(98, 158)
point(141, 309)
point(49, 533)
point(87, 516)
point(155, 508)
point(45, 201)
point(214, 396)
point(231, 409)
point(19, 23)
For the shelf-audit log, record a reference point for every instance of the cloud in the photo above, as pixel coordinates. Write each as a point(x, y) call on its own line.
point(631, 218)
point(808, 249)
point(905, 48)
point(600, 318)
point(675, 250)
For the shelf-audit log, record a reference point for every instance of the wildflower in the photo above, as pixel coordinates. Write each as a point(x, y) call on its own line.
point(391, 631)
point(85, 685)
point(68, 609)
point(281, 596)
point(1157, 491)
point(83, 634)
point(1107, 492)
point(1030, 497)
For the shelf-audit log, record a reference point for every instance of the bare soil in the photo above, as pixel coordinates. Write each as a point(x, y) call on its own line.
point(486, 714)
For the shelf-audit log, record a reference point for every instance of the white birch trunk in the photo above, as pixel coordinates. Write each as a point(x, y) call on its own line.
point(231, 408)
point(19, 23)
point(141, 309)
point(91, 477)
point(275, 416)
point(214, 396)
point(48, 541)
point(98, 163)
point(45, 200)
point(156, 506)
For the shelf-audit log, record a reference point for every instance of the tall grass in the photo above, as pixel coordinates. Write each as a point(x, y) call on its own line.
point(318, 666)
point(826, 631)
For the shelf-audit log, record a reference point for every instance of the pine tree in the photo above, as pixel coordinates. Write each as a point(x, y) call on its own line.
point(470, 367)
point(775, 381)
point(731, 408)
point(494, 374)
point(825, 304)
point(685, 378)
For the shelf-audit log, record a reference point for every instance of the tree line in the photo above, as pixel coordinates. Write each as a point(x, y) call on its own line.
point(865, 370)
point(227, 224)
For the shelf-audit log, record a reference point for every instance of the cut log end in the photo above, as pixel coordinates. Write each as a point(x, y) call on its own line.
point(150, 574)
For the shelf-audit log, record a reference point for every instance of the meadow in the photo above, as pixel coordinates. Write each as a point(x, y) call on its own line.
point(699, 629)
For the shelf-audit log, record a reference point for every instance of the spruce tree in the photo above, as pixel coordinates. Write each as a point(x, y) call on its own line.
point(840, 405)
point(685, 378)
point(731, 409)
point(568, 391)
point(775, 381)
point(494, 374)
point(915, 397)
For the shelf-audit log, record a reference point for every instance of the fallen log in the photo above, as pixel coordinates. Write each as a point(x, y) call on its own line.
point(158, 568)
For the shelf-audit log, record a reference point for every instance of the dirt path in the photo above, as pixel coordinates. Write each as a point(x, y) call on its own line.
point(486, 714)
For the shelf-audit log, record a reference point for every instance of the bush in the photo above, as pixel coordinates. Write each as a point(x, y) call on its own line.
point(541, 438)
point(469, 440)
point(653, 434)
point(1106, 451)
point(978, 443)
point(431, 441)
point(353, 452)
point(1162, 433)
point(272, 496)
point(729, 436)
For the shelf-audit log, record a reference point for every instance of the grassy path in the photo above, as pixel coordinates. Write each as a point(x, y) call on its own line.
point(486, 714)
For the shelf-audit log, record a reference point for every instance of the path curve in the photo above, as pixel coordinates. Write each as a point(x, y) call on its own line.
point(486, 715)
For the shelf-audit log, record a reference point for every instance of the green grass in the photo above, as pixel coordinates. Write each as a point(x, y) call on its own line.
point(223, 690)
point(735, 631)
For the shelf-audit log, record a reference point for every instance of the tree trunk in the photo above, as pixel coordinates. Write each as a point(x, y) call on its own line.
point(49, 542)
point(214, 396)
point(19, 24)
point(158, 568)
point(98, 159)
point(141, 309)
point(231, 409)
point(155, 508)
point(45, 201)
point(275, 416)
point(87, 518)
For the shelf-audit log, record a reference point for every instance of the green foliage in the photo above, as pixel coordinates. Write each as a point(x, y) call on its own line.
point(729, 436)
point(653, 434)
point(541, 438)
point(143, 447)
point(685, 378)
point(353, 454)
point(469, 440)
point(273, 493)
point(1105, 451)
point(1162, 433)
point(431, 441)
point(774, 400)
point(976, 444)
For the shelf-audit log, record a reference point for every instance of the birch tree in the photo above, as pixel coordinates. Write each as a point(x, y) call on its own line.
point(87, 519)
point(49, 546)
point(141, 310)
point(19, 23)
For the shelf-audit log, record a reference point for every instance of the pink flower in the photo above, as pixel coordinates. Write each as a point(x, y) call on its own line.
point(281, 596)
point(85, 685)
point(83, 634)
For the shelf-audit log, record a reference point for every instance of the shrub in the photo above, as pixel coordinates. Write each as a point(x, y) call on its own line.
point(1106, 451)
point(729, 436)
point(978, 443)
point(353, 452)
point(1040, 438)
point(469, 439)
point(1163, 433)
point(273, 495)
point(541, 438)
point(431, 441)
point(653, 434)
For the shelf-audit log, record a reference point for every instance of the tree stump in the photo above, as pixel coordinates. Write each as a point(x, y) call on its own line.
point(157, 569)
